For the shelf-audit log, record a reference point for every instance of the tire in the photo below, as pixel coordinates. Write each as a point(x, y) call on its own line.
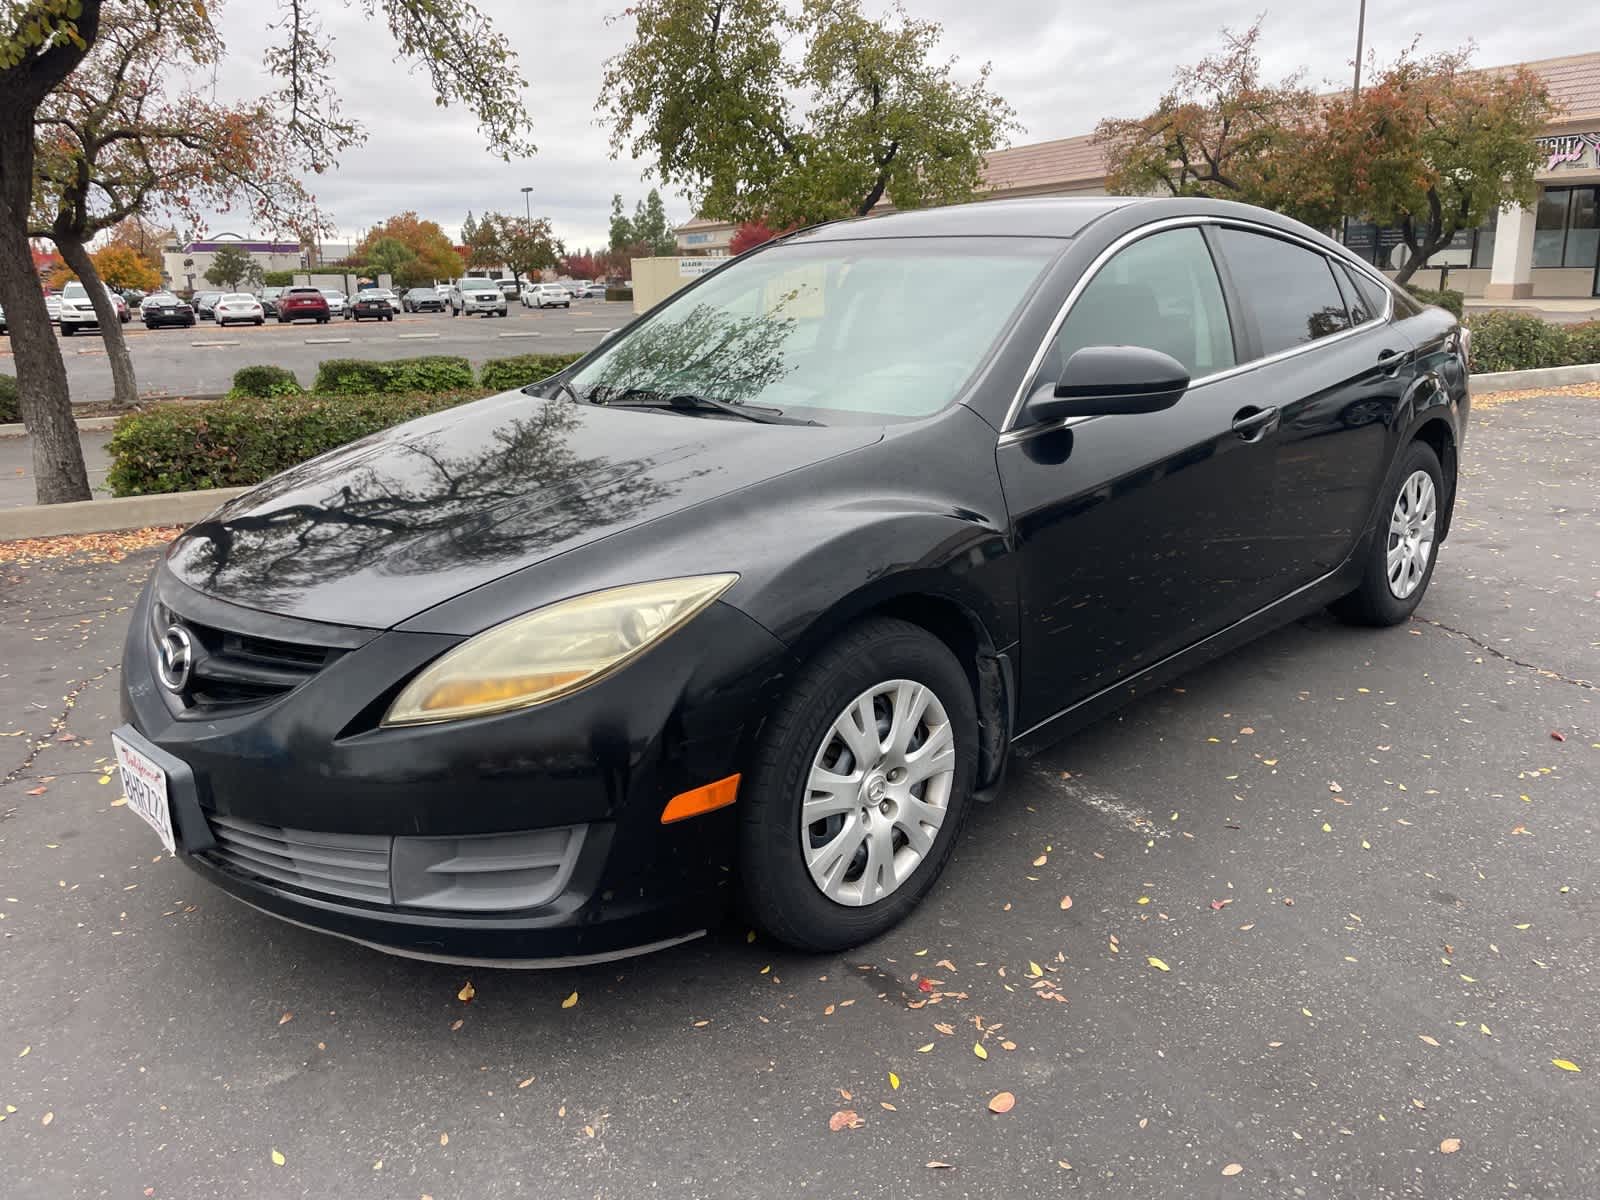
point(67, 331)
point(1376, 601)
point(779, 891)
point(283, 320)
point(260, 320)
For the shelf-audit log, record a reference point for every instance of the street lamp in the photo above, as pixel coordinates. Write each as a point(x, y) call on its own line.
point(527, 204)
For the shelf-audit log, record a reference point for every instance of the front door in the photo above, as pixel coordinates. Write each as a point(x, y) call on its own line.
point(1139, 535)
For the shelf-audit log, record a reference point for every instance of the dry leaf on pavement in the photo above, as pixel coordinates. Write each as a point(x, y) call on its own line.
point(1002, 1102)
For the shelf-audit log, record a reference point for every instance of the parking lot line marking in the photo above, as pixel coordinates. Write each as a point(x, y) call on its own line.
point(411, 337)
point(213, 343)
point(531, 334)
point(592, 329)
point(325, 341)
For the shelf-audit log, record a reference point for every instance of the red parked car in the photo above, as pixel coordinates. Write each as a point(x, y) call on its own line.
point(298, 303)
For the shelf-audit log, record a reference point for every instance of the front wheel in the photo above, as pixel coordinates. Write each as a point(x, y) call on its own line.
point(858, 787)
point(1400, 560)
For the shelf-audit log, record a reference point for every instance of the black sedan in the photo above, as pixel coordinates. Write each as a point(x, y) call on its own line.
point(205, 304)
point(368, 307)
point(163, 308)
point(422, 300)
point(750, 602)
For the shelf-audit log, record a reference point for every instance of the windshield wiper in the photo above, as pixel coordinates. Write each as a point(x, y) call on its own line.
point(689, 401)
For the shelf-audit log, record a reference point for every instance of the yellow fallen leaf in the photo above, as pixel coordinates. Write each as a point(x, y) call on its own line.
point(751, 936)
point(1468, 979)
point(1565, 1064)
point(1326, 828)
point(1157, 963)
point(1041, 860)
point(1528, 926)
point(570, 1000)
point(1366, 845)
point(1142, 900)
point(119, 802)
point(766, 970)
point(1035, 969)
point(444, 1139)
point(25, 1051)
point(467, 992)
point(1305, 1012)
point(1449, 1145)
point(47, 1118)
point(378, 1166)
point(104, 779)
point(977, 1048)
point(1484, 1029)
point(925, 1049)
point(894, 1081)
point(920, 953)
point(277, 1158)
point(1232, 1169)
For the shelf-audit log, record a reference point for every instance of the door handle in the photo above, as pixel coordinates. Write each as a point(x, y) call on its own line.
point(1252, 424)
point(1391, 361)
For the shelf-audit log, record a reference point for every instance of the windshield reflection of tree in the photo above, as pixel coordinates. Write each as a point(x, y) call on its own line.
point(419, 508)
point(709, 351)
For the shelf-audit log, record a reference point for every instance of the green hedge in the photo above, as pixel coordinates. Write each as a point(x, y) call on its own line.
point(619, 293)
point(1515, 341)
point(237, 442)
point(10, 407)
point(364, 377)
point(518, 371)
point(1450, 300)
point(1584, 342)
point(265, 381)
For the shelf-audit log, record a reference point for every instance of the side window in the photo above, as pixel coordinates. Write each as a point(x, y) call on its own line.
point(1370, 291)
point(1288, 290)
point(1160, 293)
point(1360, 311)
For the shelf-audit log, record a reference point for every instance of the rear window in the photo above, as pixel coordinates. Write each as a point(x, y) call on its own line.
point(1288, 289)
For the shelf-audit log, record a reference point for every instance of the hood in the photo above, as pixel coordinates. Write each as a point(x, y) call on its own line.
point(389, 526)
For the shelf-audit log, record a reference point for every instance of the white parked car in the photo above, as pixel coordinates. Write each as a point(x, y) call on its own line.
point(481, 296)
point(77, 310)
point(239, 307)
point(545, 295)
point(53, 303)
point(336, 301)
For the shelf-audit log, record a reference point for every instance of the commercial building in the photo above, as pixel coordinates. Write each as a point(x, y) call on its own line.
point(184, 265)
point(1546, 251)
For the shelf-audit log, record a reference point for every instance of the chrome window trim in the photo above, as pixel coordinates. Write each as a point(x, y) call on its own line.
point(1009, 432)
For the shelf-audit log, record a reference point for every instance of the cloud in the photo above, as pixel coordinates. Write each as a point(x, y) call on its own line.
point(1062, 67)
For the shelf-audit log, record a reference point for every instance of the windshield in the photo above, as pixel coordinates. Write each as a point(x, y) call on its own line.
point(478, 285)
point(831, 331)
point(74, 291)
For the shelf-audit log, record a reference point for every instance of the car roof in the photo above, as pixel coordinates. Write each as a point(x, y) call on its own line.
point(1041, 216)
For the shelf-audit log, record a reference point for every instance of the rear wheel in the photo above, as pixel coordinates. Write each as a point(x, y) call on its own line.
point(1400, 561)
point(858, 788)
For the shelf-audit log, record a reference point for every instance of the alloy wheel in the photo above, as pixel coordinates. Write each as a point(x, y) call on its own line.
point(1411, 534)
point(878, 792)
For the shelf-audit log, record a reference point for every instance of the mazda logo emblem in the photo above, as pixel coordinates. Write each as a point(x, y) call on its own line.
point(174, 658)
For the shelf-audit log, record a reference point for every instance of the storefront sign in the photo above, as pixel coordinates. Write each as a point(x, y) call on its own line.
point(1570, 150)
point(691, 268)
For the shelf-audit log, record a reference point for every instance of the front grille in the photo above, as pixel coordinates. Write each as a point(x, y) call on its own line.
point(232, 670)
point(503, 872)
point(354, 866)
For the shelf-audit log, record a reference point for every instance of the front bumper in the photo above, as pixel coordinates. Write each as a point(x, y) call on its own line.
point(311, 764)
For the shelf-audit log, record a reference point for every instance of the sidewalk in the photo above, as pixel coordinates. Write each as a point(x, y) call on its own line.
point(1558, 312)
point(16, 467)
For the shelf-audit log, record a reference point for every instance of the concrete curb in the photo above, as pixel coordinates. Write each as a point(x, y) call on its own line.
point(1517, 381)
point(107, 516)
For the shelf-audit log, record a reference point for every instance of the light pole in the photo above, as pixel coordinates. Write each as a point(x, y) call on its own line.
point(1355, 95)
point(527, 192)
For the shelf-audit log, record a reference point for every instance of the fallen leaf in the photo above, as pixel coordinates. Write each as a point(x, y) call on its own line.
point(1041, 860)
point(1334, 787)
point(570, 1000)
point(1232, 1169)
point(1326, 828)
point(467, 992)
point(1142, 900)
point(1066, 902)
point(977, 1048)
point(1557, 736)
point(1566, 1064)
point(884, 1104)
point(47, 1118)
point(1008, 1045)
point(1219, 905)
point(457, 1024)
point(286, 1018)
point(894, 1081)
point(38, 791)
point(936, 1165)
point(277, 1158)
point(1002, 1102)
point(1158, 964)
point(1063, 1164)
point(1449, 1145)
point(1035, 969)
point(1429, 1040)
point(947, 1029)
point(444, 1139)
point(524, 1083)
point(845, 1118)
point(925, 1049)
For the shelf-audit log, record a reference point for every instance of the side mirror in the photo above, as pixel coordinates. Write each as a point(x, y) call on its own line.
point(1108, 380)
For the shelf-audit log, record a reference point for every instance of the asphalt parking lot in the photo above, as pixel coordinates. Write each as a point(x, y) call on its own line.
point(1332, 924)
point(201, 361)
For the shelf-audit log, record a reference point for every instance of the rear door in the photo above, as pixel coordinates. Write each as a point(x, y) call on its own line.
point(1337, 371)
point(1139, 535)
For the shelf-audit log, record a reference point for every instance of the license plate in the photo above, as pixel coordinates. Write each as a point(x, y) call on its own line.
point(146, 786)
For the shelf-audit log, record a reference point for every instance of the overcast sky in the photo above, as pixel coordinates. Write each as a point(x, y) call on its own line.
point(1061, 66)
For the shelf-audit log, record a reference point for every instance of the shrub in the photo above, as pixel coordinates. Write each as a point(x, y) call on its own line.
point(1450, 300)
point(619, 293)
point(518, 371)
point(1514, 341)
point(237, 442)
point(1584, 343)
point(277, 278)
point(265, 381)
point(10, 407)
point(365, 377)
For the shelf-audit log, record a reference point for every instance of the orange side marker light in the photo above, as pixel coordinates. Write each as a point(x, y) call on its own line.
point(701, 800)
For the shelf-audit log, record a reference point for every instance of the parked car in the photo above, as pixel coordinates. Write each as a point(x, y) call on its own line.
point(239, 308)
point(756, 597)
point(301, 303)
point(423, 300)
point(444, 290)
point(269, 301)
point(480, 296)
point(77, 309)
point(4, 328)
point(336, 301)
point(584, 289)
point(545, 295)
point(164, 308)
point(52, 304)
point(205, 304)
point(508, 288)
point(372, 304)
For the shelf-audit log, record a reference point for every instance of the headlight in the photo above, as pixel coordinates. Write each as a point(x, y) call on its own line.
point(552, 651)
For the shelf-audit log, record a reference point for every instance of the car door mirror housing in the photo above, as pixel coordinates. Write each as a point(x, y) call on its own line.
point(1107, 380)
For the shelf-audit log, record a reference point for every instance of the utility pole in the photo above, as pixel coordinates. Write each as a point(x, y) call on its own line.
point(527, 192)
point(1355, 94)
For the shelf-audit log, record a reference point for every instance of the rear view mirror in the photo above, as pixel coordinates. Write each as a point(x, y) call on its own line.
point(1107, 380)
